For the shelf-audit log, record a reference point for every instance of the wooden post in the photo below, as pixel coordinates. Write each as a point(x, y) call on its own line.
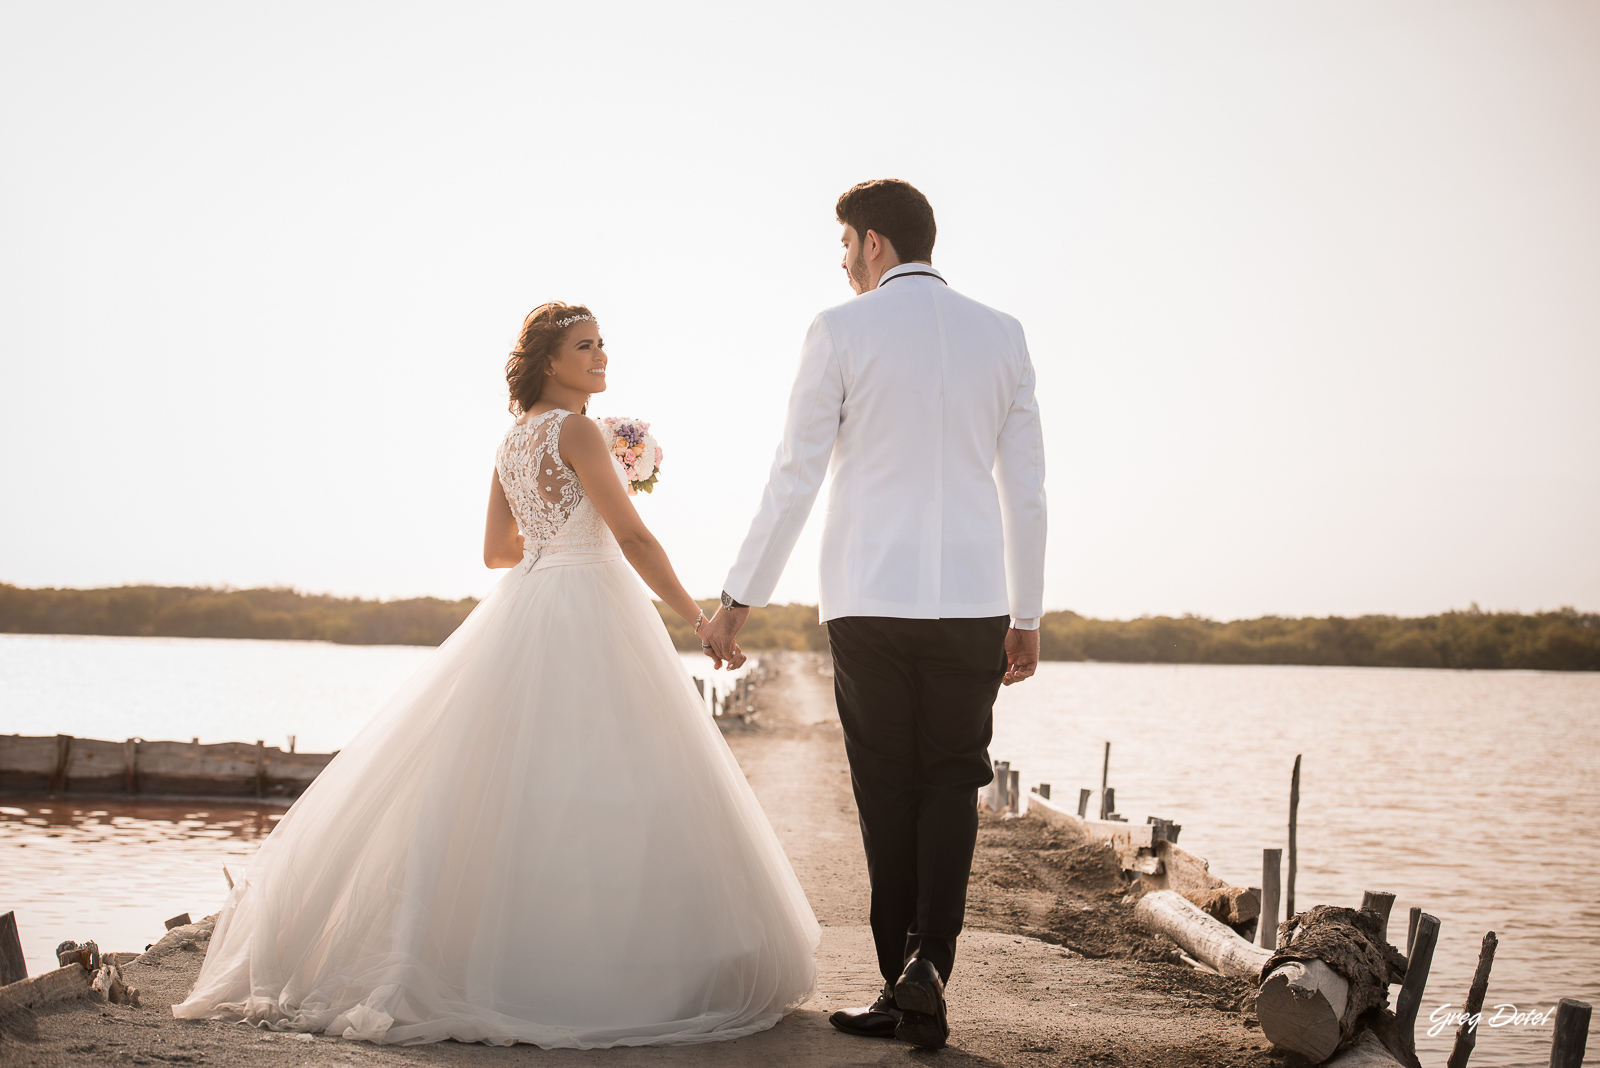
point(261, 768)
point(1083, 802)
point(1271, 867)
point(1105, 778)
point(1572, 1033)
point(1002, 783)
point(1467, 1033)
point(1044, 790)
point(180, 920)
point(130, 764)
point(1411, 928)
point(1381, 902)
point(58, 776)
point(291, 743)
point(13, 967)
point(1015, 791)
point(1294, 810)
point(1416, 981)
point(1108, 802)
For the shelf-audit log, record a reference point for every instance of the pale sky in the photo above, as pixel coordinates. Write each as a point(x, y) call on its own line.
point(1313, 289)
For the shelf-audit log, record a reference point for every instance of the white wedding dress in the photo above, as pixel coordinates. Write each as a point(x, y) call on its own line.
point(541, 838)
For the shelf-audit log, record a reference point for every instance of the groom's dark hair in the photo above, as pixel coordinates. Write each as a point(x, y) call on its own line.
point(896, 210)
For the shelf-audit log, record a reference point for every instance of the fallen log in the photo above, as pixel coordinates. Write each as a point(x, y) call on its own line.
point(1365, 1052)
point(1304, 1002)
point(63, 984)
point(1204, 937)
point(1332, 965)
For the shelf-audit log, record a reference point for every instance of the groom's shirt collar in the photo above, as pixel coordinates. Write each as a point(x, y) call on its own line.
point(910, 268)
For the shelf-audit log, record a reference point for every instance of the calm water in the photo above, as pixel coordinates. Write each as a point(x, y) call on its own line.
point(1470, 794)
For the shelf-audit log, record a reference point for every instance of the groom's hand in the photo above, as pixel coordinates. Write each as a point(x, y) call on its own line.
point(1022, 654)
point(719, 634)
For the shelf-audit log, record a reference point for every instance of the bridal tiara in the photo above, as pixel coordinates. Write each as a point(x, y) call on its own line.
point(569, 320)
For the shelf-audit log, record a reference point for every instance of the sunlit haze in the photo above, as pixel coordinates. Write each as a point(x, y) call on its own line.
point(1313, 290)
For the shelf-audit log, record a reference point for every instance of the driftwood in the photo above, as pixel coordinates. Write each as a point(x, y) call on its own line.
point(109, 982)
point(1209, 940)
point(1331, 966)
point(62, 764)
point(1233, 905)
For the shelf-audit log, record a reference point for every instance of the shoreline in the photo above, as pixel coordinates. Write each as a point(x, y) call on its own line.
point(1052, 968)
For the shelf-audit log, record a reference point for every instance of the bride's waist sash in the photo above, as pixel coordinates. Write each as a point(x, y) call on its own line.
point(541, 560)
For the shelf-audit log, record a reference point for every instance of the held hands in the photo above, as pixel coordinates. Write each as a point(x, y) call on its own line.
point(1022, 655)
point(717, 634)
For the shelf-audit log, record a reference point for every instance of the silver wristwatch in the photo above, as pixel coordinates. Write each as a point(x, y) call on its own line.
point(729, 602)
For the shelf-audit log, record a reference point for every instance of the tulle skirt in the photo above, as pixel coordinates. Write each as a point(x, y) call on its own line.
point(541, 838)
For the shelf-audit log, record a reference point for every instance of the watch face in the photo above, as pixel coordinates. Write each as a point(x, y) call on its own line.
point(727, 601)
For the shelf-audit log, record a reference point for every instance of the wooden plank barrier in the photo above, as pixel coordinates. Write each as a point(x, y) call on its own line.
point(66, 766)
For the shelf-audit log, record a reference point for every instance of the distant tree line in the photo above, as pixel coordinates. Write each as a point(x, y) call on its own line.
point(1565, 640)
point(184, 612)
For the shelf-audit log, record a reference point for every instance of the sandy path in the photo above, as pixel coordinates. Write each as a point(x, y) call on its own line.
point(1013, 1001)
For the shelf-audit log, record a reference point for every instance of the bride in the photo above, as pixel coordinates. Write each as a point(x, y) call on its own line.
point(542, 837)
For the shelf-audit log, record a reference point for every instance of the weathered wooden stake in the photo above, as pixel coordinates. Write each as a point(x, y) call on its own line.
point(1294, 810)
point(1105, 778)
point(261, 768)
point(1411, 928)
point(1409, 999)
point(1467, 1034)
point(180, 920)
point(1271, 872)
point(1108, 801)
point(13, 967)
point(1382, 902)
point(58, 776)
point(1572, 1033)
point(1083, 802)
point(1002, 785)
point(1015, 791)
point(1044, 790)
point(130, 764)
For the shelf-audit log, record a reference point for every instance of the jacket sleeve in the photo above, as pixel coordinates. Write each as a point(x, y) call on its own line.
point(1019, 474)
point(812, 425)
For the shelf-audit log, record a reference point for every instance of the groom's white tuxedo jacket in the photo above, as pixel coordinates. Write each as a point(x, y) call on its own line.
point(919, 402)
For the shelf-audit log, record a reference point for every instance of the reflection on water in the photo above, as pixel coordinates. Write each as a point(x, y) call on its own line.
point(114, 871)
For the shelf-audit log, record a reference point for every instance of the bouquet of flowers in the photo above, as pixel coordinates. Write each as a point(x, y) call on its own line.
point(635, 450)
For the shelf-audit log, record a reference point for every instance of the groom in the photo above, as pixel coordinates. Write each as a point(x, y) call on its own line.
point(922, 401)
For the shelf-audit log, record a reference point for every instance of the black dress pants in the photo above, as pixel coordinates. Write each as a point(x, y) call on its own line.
point(916, 699)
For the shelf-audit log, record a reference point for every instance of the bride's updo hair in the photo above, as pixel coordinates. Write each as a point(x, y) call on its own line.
point(536, 345)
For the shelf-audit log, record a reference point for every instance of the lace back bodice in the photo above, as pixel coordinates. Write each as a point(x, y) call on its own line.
point(551, 508)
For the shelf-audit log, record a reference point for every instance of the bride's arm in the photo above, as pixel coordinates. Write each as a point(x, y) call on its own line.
point(583, 447)
point(502, 545)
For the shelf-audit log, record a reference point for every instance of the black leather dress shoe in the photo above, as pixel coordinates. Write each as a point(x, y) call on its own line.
point(919, 993)
point(877, 1020)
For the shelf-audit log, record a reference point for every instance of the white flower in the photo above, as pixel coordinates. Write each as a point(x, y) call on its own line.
point(644, 465)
